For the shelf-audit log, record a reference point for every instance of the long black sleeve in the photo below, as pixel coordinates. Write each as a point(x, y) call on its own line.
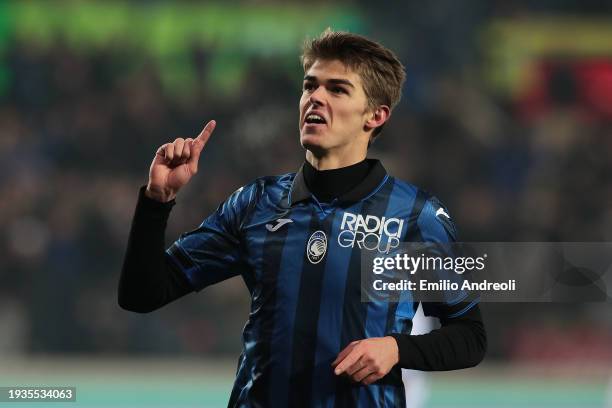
point(461, 342)
point(148, 279)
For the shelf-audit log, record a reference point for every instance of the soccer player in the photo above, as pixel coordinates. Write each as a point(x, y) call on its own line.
point(295, 240)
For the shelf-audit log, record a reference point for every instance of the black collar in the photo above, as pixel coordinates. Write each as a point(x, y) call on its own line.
point(299, 190)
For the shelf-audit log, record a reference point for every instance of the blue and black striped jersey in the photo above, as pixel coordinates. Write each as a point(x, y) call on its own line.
point(300, 259)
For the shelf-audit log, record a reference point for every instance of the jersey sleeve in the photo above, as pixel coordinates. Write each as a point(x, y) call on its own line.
point(212, 252)
point(436, 226)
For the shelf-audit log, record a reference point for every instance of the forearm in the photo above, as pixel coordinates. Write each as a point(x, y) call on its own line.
point(148, 280)
point(460, 343)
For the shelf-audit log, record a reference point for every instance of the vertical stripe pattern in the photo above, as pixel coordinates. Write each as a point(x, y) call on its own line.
point(306, 319)
point(355, 311)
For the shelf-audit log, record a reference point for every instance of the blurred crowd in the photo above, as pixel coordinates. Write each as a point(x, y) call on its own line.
point(78, 131)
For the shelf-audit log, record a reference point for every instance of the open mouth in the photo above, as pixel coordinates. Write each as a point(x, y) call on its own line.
point(314, 119)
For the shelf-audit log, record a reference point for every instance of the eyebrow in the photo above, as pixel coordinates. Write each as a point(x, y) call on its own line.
point(332, 80)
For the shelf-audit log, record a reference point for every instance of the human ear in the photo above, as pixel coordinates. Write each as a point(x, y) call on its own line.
point(378, 117)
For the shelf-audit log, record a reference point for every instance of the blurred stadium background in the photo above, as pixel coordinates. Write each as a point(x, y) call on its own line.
point(506, 116)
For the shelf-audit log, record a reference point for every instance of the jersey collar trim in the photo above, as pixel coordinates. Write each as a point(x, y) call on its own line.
point(373, 181)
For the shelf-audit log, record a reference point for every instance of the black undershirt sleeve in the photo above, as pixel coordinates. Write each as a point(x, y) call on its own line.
point(461, 342)
point(149, 280)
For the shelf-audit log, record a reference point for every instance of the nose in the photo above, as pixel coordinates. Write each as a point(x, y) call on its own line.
point(316, 97)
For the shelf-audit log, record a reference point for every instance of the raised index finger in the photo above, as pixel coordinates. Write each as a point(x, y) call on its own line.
point(206, 132)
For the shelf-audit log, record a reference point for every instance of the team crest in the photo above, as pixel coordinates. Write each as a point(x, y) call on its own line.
point(316, 247)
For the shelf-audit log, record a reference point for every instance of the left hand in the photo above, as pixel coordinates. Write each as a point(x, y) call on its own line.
point(367, 360)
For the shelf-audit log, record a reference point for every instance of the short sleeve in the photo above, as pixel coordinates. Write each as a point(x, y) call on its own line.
point(213, 252)
point(436, 226)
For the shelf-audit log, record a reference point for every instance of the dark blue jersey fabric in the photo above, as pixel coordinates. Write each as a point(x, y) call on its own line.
point(300, 260)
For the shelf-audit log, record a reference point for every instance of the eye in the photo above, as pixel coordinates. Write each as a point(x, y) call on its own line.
point(338, 90)
point(308, 86)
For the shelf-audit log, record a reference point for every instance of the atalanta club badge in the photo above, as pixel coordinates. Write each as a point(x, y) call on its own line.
point(316, 247)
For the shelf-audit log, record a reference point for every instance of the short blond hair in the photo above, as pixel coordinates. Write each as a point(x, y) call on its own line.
point(381, 71)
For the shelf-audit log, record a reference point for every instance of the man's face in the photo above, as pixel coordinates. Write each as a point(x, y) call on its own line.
point(333, 108)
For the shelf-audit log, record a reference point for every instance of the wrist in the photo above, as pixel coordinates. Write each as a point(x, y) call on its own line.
point(159, 195)
point(394, 347)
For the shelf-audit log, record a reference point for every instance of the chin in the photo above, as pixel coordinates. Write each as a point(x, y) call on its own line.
point(312, 142)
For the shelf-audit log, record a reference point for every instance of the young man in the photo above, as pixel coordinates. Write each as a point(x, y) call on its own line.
point(294, 239)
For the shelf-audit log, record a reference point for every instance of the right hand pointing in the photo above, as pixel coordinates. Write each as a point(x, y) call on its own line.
point(174, 165)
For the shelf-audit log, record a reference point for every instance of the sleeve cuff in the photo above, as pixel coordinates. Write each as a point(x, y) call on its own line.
point(149, 206)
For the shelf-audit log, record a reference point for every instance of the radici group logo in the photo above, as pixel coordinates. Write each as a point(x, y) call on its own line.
point(370, 232)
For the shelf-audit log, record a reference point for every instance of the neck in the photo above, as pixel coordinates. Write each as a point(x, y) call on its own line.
point(330, 162)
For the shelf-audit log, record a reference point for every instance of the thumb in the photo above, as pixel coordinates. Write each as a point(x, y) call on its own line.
point(198, 145)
